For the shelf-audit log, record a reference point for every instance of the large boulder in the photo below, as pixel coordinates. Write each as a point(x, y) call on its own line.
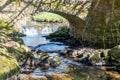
point(114, 55)
point(99, 58)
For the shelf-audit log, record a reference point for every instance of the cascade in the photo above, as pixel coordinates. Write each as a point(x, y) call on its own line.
point(30, 30)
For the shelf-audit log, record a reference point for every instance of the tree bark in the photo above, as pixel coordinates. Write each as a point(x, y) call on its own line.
point(104, 20)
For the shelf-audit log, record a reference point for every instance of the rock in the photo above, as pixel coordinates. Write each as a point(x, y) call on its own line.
point(32, 77)
point(27, 49)
point(63, 52)
point(96, 59)
point(18, 34)
point(44, 65)
point(114, 55)
point(44, 62)
point(99, 58)
point(55, 62)
point(69, 52)
point(44, 58)
point(105, 53)
point(41, 59)
point(54, 76)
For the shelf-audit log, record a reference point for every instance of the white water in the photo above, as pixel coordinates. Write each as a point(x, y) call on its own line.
point(48, 30)
point(35, 36)
point(33, 30)
point(30, 31)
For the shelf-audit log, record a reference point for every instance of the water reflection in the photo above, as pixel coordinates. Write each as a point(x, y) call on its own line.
point(34, 37)
point(34, 40)
point(52, 47)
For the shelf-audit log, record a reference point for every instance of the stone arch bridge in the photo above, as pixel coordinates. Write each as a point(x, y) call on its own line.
point(75, 11)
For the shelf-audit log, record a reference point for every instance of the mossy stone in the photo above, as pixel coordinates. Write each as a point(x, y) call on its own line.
point(114, 55)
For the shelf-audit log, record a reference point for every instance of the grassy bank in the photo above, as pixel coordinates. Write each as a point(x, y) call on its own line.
point(12, 51)
point(48, 16)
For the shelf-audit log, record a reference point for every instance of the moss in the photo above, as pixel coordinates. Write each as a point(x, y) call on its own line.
point(61, 32)
point(18, 52)
point(20, 41)
point(99, 57)
point(114, 55)
point(11, 52)
point(8, 60)
point(95, 56)
point(105, 52)
point(8, 64)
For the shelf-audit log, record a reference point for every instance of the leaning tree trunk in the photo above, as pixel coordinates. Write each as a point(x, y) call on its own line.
point(104, 20)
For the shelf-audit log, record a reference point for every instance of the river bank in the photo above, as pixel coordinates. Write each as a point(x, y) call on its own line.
point(12, 51)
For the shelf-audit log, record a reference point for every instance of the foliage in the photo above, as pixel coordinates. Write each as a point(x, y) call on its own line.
point(61, 32)
point(114, 55)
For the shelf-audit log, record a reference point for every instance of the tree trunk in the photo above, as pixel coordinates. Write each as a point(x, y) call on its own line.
point(104, 20)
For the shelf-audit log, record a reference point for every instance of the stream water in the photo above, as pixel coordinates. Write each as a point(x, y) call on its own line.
point(36, 40)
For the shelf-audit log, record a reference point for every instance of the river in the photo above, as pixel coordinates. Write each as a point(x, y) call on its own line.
point(36, 40)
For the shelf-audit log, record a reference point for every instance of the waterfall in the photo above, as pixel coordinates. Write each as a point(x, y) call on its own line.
point(33, 30)
point(30, 30)
point(48, 30)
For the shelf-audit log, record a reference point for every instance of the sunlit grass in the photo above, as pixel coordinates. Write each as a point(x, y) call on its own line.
point(48, 16)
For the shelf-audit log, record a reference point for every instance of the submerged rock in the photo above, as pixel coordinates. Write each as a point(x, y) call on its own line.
point(55, 62)
point(44, 65)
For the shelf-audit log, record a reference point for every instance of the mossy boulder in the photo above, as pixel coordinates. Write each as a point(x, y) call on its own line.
point(95, 58)
point(99, 58)
point(62, 32)
point(55, 62)
point(114, 55)
point(8, 64)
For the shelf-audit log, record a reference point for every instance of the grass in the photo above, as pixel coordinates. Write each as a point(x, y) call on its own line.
point(48, 16)
point(8, 64)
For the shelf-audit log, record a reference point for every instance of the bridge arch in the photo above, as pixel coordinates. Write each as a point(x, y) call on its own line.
point(76, 24)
